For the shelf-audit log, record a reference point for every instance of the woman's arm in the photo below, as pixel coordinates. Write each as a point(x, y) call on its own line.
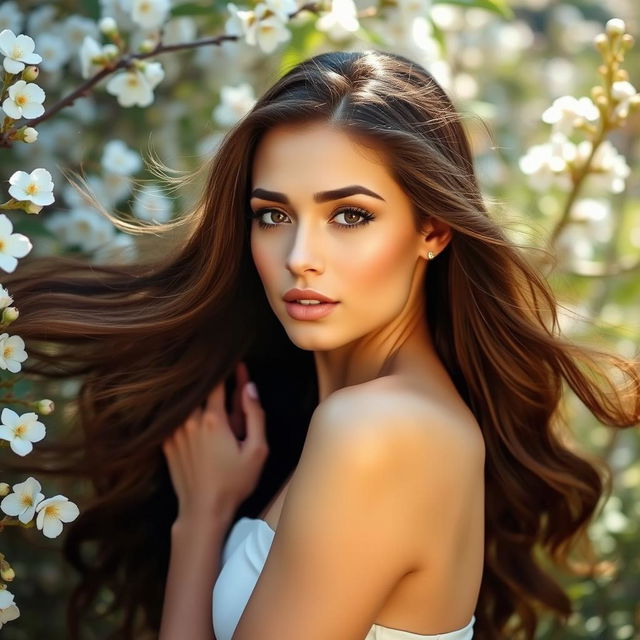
point(212, 473)
point(194, 566)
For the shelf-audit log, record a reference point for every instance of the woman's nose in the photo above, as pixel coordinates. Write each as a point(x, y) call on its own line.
point(304, 253)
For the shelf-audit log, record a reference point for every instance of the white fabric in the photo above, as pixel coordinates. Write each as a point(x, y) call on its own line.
point(243, 556)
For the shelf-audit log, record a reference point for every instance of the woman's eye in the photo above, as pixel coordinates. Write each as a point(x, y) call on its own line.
point(353, 217)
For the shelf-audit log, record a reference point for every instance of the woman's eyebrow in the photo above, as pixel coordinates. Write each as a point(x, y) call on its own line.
point(321, 196)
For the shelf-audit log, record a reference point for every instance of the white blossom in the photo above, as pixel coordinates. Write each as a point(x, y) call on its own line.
point(24, 100)
point(622, 92)
point(21, 430)
point(121, 250)
point(75, 28)
point(22, 502)
point(341, 21)
point(37, 186)
point(8, 609)
point(135, 87)
point(267, 31)
point(546, 164)
point(240, 22)
point(12, 352)
point(17, 50)
point(595, 214)
point(30, 135)
point(116, 185)
point(52, 512)
point(43, 18)
point(150, 14)
point(10, 16)
point(564, 112)
point(55, 50)
point(117, 157)
point(12, 246)
point(609, 169)
point(282, 8)
point(5, 298)
point(89, 50)
point(84, 227)
point(152, 205)
point(180, 29)
point(235, 103)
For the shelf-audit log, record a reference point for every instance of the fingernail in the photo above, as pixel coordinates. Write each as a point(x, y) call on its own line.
point(252, 390)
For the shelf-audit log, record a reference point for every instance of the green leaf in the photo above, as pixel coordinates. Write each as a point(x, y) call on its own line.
point(495, 6)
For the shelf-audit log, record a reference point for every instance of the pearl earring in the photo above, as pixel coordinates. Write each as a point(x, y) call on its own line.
point(431, 255)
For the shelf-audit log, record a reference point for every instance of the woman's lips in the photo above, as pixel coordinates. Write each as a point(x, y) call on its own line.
point(309, 311)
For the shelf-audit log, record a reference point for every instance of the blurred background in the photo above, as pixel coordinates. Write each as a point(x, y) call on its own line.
point(504, 63)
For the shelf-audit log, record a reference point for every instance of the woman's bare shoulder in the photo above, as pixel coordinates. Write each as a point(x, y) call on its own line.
point(393, 403)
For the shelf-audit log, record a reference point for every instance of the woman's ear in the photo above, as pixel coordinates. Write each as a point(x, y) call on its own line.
point(435, 236)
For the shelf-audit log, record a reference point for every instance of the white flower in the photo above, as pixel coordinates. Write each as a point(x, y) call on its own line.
point(341, 21)
point(90, 49)
point(154, 73)
point(565, 110)
point(546, 164)
point(595, 214)
point(118, 158)
point(150, 14)
point(116, 185)
point(267, 32)
point(42, 18)
point(30, 135)
point(8, 609)
point(21, 430)
point(235, 102)
point(121, 250)
point(75, 28)
point(24, 101)
point(622, 92)
point(152, 205)
point(414, 8)
point(135, 87)
point(36, 186)
point(12, 246)
point(17, 50)
point(10, 16)
point(12, 352)
point(282, 8)
point(241, 21)
point(55, 51)
point(609, 169)
point(22, 503)
point(180, 29)
point(52, 512)
point(5, 298)
point(83, 227)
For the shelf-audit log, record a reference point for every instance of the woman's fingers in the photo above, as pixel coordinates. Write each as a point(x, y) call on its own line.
point(215, 401)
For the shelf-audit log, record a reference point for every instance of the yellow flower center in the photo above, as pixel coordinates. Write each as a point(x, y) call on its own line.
point(51, 511)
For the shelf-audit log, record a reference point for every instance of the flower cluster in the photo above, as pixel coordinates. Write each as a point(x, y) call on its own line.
point(30, 192)
point(565, 163)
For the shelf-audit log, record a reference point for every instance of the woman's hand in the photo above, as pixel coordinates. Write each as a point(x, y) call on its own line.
point(212, 471)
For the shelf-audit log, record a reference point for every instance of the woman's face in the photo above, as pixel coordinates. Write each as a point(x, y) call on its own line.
point(370, 267)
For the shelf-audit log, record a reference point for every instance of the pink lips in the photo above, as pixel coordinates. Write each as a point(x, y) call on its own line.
point(310, 311)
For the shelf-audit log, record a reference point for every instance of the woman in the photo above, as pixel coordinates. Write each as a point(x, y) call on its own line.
point(402, 465)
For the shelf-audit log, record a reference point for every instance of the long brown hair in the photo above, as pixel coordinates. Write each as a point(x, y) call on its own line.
point(149, 340)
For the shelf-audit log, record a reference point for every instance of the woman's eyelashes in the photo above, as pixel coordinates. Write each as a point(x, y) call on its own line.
point(346, 211)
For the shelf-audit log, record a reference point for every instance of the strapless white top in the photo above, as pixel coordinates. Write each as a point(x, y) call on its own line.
point(243, 556)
